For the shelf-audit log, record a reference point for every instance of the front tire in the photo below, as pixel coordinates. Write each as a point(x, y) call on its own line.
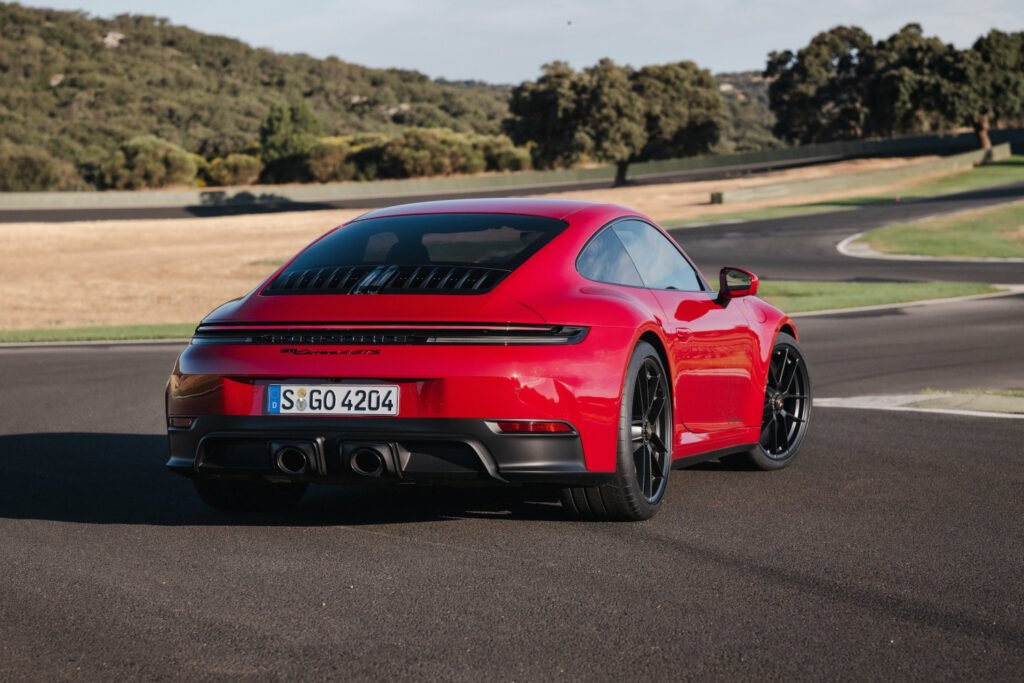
point(644, 454)
point(787, 407)
point(249, 495)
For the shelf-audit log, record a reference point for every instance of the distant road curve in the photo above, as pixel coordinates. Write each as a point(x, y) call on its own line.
point(804, 247)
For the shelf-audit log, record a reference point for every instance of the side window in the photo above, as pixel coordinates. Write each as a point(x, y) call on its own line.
point(605, 260)
point(660, 264)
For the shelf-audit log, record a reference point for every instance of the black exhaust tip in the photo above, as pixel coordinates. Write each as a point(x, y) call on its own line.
point(291, 460)
point(368, 462)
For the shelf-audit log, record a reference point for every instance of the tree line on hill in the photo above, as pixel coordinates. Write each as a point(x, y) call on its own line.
point(845, 86)
point(135, 102)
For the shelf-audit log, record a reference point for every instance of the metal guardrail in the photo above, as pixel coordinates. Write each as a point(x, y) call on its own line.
point(852, 181)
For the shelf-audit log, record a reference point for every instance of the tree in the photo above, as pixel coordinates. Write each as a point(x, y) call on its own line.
point(544, 114)
point(611, 117)
point(994, 93)
point(613, 114)
point(906, 84)
point(816, 94)
point(286, 136)
point(682, 109)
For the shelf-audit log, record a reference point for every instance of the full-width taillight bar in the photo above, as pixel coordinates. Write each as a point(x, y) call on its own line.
point(338, 335)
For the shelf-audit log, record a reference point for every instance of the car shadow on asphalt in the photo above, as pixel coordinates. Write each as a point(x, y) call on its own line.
point(120, 479)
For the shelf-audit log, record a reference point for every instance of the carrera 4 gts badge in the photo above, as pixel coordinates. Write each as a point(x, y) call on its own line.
point(332, 352)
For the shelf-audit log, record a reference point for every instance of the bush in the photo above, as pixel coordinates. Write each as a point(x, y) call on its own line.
point(286, 137)
point(500, 154)
point(27, 169)
point(148, 162)
point(330, 160)
point(420, 152)
point(234, 169)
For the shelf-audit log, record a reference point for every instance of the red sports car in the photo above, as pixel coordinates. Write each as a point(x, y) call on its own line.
point(507, 342)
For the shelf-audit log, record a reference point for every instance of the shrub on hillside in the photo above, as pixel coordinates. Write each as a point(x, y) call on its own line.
point(27, 169)
point(500, 154)
point(286, 137)
point(148, 162)
point(234, 169)
point(418, 152)
point(330, 160)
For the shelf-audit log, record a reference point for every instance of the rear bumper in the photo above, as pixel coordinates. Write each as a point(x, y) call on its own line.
point(415, 450)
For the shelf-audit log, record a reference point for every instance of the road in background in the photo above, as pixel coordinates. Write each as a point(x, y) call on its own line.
point(804, 247)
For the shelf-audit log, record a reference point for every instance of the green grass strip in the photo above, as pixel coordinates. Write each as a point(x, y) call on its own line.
point(987, 233)
point(797, 296)
point(978, 178)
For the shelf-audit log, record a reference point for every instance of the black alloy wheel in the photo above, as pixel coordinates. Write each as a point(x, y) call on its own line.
point(787, 406)
point(649, 427)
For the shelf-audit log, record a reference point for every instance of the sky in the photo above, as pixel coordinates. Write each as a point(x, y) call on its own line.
point(507, 41)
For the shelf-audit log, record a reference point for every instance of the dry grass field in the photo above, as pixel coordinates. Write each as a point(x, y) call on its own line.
point(61, 275)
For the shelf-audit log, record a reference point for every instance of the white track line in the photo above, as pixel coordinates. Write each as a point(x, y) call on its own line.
point(892, 403)
point(849, 249)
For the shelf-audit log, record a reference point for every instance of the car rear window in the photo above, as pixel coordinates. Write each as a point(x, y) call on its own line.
point(434, 253)
point(485, 240)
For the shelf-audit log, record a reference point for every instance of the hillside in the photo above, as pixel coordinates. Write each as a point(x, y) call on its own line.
point(75, 89)
point(748, 121)
point(70, 84)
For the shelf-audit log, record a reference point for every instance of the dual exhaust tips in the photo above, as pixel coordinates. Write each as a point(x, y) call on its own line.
point(297, 459)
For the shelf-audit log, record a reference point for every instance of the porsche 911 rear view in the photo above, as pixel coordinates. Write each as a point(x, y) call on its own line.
point(498, 342)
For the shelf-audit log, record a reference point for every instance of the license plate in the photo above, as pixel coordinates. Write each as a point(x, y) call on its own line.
point(339, 399)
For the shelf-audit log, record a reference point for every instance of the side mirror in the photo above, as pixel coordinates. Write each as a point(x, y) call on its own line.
point(735, 282)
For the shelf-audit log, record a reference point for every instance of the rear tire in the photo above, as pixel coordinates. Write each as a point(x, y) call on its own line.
point(249, 495)
point(644, 453)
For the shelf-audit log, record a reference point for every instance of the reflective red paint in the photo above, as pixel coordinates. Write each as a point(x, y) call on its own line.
point(716, 351)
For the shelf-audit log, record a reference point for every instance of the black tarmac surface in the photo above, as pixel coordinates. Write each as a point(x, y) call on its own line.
point(804, 247)
point(891, 549)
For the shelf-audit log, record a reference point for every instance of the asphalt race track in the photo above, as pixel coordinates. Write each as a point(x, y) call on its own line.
point(804, 247)
point(892, 548)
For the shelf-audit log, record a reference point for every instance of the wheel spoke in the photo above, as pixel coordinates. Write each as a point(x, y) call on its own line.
point(773, 379)
point(657, 405)
point(646, 478)
point(792, 375)
point(655, 471)
point(784, 444)
point(641, 389)
point(658, 444)
point(775, 434)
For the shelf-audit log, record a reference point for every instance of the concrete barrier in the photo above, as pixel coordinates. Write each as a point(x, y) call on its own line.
point(867, 179)
point(527, 182)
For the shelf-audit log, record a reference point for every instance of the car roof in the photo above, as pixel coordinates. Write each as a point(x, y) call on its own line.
point(549, 208)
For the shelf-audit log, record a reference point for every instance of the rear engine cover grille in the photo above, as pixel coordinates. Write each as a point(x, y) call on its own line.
point(424, 279)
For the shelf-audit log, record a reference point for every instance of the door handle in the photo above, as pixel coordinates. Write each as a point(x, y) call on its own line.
point(682, 334)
